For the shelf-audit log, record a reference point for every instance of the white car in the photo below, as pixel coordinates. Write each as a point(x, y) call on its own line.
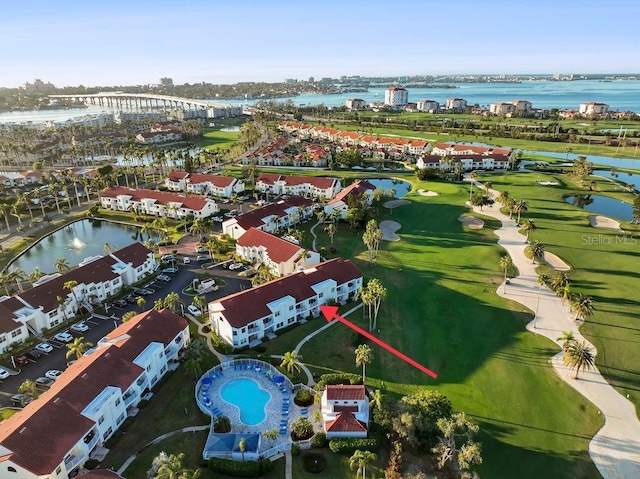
point(203, 257)
point(167, 257)
point(44, 347)
point(80, 327)
point(186, 260)
point(234, 266)
point(169, 271)
point(4, 374)
point(53, 374)
point(63, 337)
point(164, 278)
point(201, 249)
point(193, 309)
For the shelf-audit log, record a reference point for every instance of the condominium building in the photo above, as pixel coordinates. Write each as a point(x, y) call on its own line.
point(57, 433)
point(245, 318)
point(396, 96)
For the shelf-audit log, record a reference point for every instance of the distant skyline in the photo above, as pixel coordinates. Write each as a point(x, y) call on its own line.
point(130, 43)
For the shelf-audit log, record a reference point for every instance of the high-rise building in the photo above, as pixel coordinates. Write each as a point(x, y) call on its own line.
point(396, 96)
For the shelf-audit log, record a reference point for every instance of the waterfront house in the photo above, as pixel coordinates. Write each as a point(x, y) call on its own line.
point(429, 106)
point(345, 411)
point(355, 104)
point(157, 203)
point(311, 186)
point(56, 434)
point(245, 318)
point(593, 108)
point(396, 96)
point(282, 257)
point(456, 104)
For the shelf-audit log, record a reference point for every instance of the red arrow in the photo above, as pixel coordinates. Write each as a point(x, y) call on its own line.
point(331, 312)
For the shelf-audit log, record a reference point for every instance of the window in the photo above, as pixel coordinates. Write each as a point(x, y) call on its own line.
point(320, 295)
point(11, 469)
point(117, 402)
point(163, 369)
point(291, 308)
point(149, 368)
point(277, 313)
point(100, 420)
point(120, 418)
point(3, 339)
point(58, 470)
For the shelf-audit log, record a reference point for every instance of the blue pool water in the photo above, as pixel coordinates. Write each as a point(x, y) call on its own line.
point(248, 397)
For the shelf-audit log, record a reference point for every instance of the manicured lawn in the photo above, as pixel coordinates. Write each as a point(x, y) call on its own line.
point(214, 138)
point(442, 310)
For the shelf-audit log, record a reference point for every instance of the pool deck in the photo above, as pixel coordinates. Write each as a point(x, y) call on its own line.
point(280, 410)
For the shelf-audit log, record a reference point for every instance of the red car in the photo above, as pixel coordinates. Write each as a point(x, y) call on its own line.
point(21, 360)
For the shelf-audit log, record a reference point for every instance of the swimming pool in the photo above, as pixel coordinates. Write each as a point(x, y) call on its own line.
point(246, 395)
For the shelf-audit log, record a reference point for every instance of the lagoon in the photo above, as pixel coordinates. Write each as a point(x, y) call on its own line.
point(603, 205)
point(77, 241)
point(400, 186)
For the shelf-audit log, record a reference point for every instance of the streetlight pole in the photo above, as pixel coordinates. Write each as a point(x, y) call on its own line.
point(537, 305)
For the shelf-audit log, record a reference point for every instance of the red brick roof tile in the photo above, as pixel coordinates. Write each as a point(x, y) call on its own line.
point(345, 393)
point(278, 249)
point(346, 422)
point(192, 202)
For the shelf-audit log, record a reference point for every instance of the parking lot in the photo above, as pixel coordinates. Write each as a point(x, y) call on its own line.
point(99, 327)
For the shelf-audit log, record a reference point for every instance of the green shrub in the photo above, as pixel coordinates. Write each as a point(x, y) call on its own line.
point(344, 378)
point(349, 445)
point(303, 398)
point(295, 450)
point(319, 440)
point(222, 424)
point(240, 468)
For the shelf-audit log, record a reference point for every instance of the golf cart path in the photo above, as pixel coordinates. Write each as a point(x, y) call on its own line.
point(615, 449)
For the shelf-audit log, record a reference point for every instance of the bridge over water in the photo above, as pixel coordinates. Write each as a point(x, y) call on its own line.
point(148, 101)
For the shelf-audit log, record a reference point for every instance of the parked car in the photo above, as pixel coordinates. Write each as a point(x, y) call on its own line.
point(217, 219)
point(167, 257)
point(130, 298)
point(4, 374)
point(80, 327)
point(234, 266)
point(169, 271)
point(121, 303)
point(34, 354)
point(53, 374)
point(63, 337)
point(193, 309)
point(20, 400)
point(186, 260)
point(203, 257)
point(21, 360)
point(42, 381)
point(44, 347)
point(142, 291)
point(164, 278)
point(201, 249)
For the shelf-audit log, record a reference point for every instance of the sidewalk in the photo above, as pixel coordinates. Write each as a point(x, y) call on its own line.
point(615, 449)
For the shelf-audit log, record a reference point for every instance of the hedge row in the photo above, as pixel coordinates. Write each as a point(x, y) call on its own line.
point(349, 445)
point(240, 469)
point(344, 378)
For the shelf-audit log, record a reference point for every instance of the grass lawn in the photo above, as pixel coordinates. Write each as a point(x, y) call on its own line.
point(442, 310)
point(214, 138)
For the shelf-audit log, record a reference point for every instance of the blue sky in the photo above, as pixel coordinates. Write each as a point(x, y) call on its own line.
point(137, 42)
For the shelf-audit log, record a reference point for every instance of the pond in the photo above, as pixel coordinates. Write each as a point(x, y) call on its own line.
point(603, 205)
point(402, 187)
point(620, 177)
point(230, 128)
point(628, 163)
point(77, 241)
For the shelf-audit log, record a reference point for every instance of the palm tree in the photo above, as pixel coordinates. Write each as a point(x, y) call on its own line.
point(528, 226)
point(35, 275)
point(171, 301)
point(579, 355)
point(158, 304)
point(360, 460)
point(376, 399)
point(521, 207)
point(290, 361)
point(331, 231)
point(61, 265)
point(542, 280)
point(510, 203)
point(170, 467)
point(242, 445)
point(200, 302)
point(503, 197)
point(130, 314)
point(140, 301)
point(30, 388)
point(364, 355)
point(505, 263)
point(371, 238)
point(567, 338)
point(78, 347)
point(70, 285)
point(582, 305)
point(559, 281)
point(18, 275)
point(564, 293)
point(536, 249)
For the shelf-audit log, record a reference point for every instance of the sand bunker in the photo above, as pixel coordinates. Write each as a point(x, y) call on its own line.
point(388, 229)
point(471, 222)
point(555, 262)
point(396, 203)
point(427, 193)
point(604, 222)
point(547, 183)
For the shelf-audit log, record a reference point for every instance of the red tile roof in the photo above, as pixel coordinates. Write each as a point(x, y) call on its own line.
point(8, 321)
point(357, 188)
point(177, 175)
point(136, 254)
point(192, 202)
point(278, 249)
point(345, 393)
point(40, 435)
point(101, 474)
point(254, 218)
point(242, 308)
point(346, 422)
point(219, 181)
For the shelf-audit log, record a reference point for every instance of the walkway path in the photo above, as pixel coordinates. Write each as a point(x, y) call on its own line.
point(313, 245)
point(207, 338)
point(615, 449)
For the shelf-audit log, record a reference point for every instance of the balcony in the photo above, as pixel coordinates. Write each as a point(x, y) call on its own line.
point(72, 461)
